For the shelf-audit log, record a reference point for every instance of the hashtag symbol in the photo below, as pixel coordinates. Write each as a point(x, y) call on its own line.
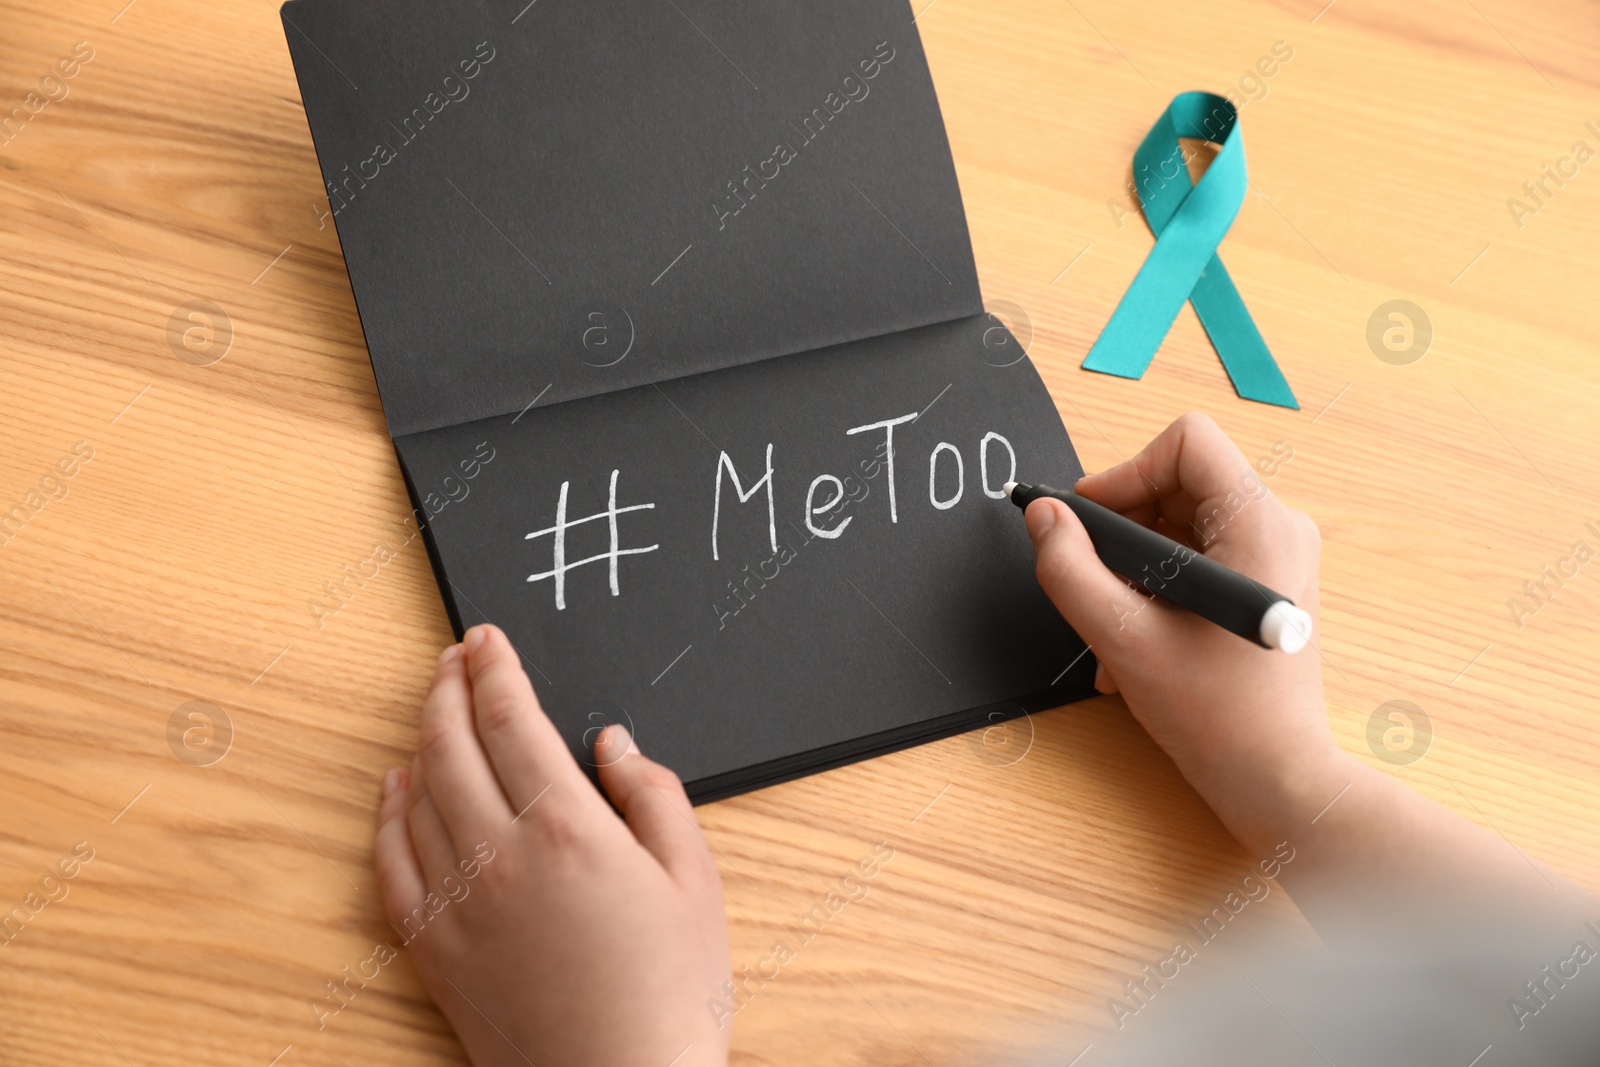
point(560, 566)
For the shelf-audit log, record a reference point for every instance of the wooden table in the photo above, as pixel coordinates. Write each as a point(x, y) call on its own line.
point(1033, 873)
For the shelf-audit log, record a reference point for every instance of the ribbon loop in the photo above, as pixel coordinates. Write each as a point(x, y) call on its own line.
point(1189, 220)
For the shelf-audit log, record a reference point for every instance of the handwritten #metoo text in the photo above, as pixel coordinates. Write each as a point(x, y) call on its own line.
point(824, 501)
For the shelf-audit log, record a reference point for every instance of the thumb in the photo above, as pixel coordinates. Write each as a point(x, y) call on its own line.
point(1104, 610)
point(652, 801)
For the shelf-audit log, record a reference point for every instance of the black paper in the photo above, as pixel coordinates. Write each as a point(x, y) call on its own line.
point(558, 280)
point(590, 152)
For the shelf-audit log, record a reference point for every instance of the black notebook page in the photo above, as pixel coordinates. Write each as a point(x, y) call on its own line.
point(732, 659)
point(579, 198)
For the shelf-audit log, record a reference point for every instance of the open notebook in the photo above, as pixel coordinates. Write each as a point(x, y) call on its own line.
point(676, 326)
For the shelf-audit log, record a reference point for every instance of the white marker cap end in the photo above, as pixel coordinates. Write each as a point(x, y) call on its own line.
point(1008, 487)
point(1286, 627)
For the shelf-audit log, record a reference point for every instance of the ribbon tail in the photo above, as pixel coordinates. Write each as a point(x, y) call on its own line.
point(1141, 322)
point(1146, 312)
point(1239, 344)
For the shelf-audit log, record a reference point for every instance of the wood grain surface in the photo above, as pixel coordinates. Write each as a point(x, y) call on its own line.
point(1034, 870)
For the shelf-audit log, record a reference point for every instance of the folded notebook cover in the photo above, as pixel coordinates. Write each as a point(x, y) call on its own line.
point(674, 317)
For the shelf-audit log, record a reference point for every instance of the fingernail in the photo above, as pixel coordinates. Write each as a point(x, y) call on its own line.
point(618, 736)
point(1041, 518)
point(475, 638)
point(449, 654)
point(391, 781)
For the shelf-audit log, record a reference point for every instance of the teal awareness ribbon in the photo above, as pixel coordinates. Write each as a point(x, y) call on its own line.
point(1189, 220)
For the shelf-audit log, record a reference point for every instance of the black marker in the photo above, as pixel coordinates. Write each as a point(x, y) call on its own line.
point(1204, 586)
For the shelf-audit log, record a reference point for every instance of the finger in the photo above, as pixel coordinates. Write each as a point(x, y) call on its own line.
point(1097, 604)
point(522, 743)
point(430, 840)
point(1190, 461)
point(654, 804)
point(399, 874)
point(459, 778)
